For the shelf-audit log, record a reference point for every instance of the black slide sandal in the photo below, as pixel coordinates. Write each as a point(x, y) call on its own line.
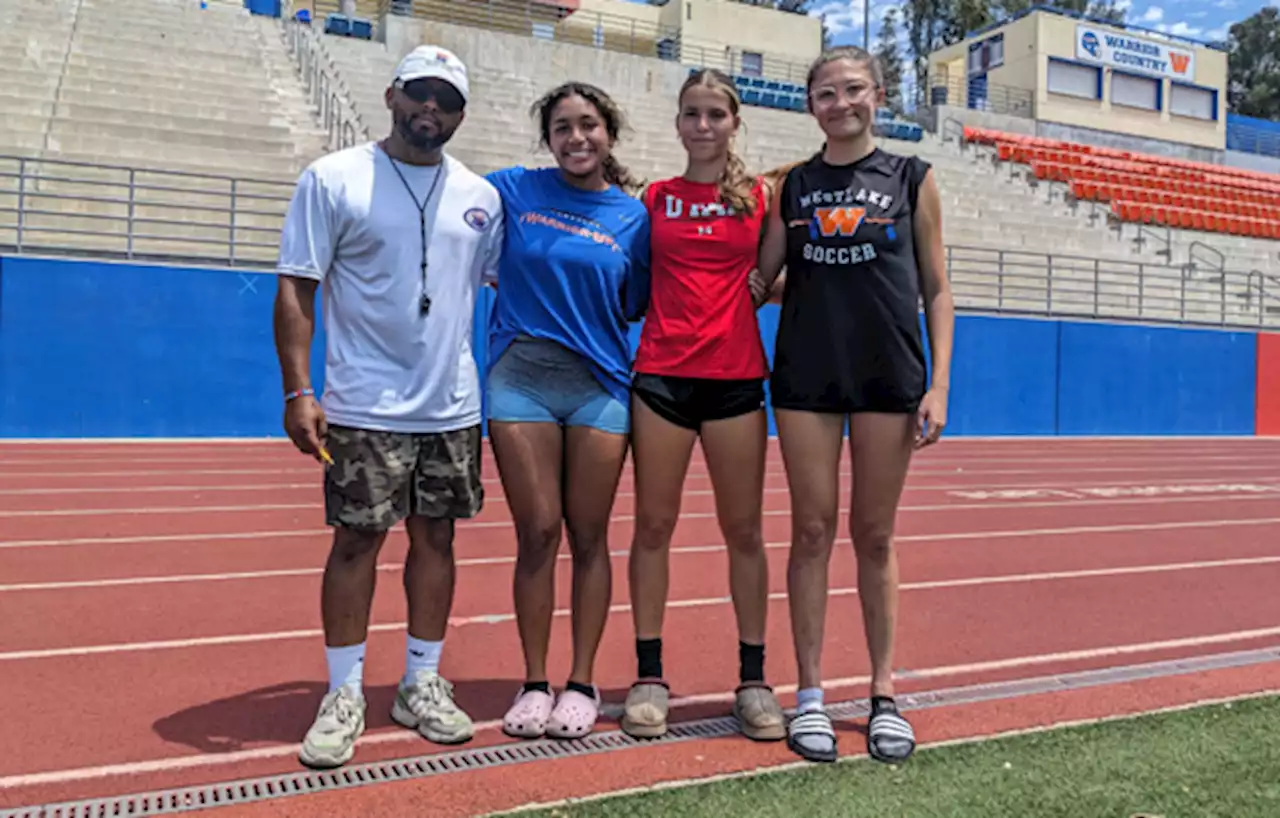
point(890, 738)
point(805, 736)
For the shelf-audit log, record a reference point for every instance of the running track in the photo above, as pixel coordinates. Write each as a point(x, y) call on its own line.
point(159, 604)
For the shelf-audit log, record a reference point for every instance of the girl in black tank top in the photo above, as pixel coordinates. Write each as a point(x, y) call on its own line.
point(849, 334)
point(860, 233)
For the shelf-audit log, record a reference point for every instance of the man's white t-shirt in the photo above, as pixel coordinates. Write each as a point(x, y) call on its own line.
point(353, 226)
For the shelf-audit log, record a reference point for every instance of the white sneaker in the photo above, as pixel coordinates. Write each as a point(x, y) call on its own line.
point(331, 741)
point(427, 705)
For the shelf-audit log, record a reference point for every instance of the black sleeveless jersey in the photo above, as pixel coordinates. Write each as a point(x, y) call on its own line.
point(849, 337)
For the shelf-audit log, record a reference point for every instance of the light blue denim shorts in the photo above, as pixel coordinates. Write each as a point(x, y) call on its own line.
point(540, 381)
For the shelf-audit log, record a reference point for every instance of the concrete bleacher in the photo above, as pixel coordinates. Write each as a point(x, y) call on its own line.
point(1230, 216)
point(160, 87)
point(154, 88)
point(1009, 238)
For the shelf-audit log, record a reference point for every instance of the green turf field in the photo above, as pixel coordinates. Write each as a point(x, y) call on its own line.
point(1215, 760)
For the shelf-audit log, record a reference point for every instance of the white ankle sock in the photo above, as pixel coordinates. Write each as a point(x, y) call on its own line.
point(346, 667)
point(421, 655)
point(809, 700)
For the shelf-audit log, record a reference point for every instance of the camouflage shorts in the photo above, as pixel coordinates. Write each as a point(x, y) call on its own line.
point(379, 478)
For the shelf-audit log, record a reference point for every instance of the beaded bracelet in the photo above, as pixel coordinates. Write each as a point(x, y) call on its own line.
point(297, 393)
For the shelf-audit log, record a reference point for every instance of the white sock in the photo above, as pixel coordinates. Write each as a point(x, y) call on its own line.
point(421, 655)
point(809, 700)
point(346, 667)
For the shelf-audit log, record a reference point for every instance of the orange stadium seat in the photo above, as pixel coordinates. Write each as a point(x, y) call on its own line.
point(1149, 188)
point(1020, 145)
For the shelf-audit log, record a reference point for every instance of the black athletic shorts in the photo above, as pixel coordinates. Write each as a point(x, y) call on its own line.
point(690, 402)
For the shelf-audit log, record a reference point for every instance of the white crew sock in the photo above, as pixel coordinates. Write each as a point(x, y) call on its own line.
point(809, 700)
point(346, 667)
point(421, 655)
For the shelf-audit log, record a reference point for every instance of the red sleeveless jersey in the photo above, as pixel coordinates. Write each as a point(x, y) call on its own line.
point(701, 322)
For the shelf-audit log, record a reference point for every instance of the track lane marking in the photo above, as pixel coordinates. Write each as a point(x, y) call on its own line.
point(958, 535)
point(981, 505)
point(564, 613)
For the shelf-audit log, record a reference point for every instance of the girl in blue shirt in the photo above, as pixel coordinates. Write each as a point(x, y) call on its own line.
point(574, 273)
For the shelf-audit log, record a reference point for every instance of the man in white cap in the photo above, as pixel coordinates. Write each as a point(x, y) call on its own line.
point(401, 236)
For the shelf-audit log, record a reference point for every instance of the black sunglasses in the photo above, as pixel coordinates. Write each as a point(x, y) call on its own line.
point(447, 97)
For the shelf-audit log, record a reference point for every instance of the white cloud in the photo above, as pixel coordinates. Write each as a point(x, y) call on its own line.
point(1154, 14)
point(843, 17)
point(1180, 29)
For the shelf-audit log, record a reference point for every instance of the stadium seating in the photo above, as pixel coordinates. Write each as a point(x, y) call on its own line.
point(84, 87)
point(153, 88)
point(1186, 196)
point(1009, 247)
point(981, 211)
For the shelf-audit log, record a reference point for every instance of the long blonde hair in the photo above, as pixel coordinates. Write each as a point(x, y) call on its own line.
point(736, 184)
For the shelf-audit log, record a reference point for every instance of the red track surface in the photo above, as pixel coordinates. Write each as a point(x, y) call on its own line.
point(160, 600)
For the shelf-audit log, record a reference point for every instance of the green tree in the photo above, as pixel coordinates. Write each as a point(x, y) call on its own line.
point(1253, 65)
point(1098, 9)
point(930, 25)
point(886, 49)
point(969, 15)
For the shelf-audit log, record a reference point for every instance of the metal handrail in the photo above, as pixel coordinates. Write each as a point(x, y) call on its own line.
point(1193, 259)
point(324, 82)
point(66, 207)
point(958, 92)
point(71, 208)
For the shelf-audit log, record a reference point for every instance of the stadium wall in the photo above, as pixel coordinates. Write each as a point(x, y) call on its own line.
point(1268, 409)
point(1251, 161)
point(95, 349)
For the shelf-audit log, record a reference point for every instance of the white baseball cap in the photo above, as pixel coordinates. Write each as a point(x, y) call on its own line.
point(433, 62)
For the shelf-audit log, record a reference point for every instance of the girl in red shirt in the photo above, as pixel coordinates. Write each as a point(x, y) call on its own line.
point(699, 372)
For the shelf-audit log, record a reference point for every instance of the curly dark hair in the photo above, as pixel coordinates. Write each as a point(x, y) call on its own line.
point(614, 123)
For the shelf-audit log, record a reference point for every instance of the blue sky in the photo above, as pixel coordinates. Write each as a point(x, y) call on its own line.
point(1199, 19)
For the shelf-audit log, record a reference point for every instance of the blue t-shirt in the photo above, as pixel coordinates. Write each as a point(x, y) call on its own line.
point(574, 270)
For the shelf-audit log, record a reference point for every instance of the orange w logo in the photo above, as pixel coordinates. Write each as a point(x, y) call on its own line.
point(838, 221)
point(1180, 62)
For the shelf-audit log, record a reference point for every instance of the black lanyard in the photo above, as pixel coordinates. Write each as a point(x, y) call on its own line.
point(425, 304)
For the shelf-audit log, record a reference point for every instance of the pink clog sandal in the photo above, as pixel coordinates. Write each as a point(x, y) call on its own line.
point(527, 718)
point(574, 715)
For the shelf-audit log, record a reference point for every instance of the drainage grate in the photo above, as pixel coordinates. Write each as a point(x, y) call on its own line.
point(167, 802)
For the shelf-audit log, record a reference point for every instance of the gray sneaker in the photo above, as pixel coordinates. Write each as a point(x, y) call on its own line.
point(426, 705)
point(331, 741)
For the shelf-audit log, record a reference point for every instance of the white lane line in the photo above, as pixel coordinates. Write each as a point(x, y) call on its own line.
point(1164, 500)
point(704, 602)
point(392, 735)
point(958, 535)
point(315, 487)
point(932, 469)
point(269, 459)
point(391, 567)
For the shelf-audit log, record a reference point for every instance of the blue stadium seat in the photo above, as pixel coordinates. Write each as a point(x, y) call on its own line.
point(362, 29)
point(338, 24)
